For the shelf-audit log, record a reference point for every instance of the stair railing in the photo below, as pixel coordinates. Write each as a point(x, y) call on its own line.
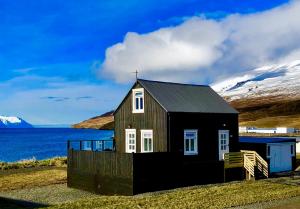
point(258, 161)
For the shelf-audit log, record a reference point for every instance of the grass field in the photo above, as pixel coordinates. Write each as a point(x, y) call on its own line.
point(46, 187)
point(33, 163)
point(212, 196)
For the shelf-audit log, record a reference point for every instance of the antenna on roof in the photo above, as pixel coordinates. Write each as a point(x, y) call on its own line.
point(136, 74)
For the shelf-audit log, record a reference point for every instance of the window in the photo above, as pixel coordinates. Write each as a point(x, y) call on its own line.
point(190, 142)
point(130, 140)
point(138, 100)
point(146, 141)
point(223, 141)
point(292, 150)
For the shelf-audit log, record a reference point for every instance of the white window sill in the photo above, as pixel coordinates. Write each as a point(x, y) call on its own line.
point(191, 153)
point(138, 111)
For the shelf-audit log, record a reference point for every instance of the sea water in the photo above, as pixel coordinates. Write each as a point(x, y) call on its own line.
point(43, 143)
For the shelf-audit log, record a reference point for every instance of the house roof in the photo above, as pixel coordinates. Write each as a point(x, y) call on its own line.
point(175, 97)
point(264, 140)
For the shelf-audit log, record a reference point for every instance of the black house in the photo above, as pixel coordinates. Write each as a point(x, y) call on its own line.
point(192, 120)
point(166, 135)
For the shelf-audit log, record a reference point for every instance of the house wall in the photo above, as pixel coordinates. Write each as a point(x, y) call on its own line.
point(260, 148)
point(154, 117)
point(208, 125)
point(298, 146)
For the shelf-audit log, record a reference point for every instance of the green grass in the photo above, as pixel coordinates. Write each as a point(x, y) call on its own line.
point(32, 163)
point(47, 186)
point(212, 196)
point(33, 177)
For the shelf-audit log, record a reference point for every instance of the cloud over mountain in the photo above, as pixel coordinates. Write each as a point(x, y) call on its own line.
point(202, 49)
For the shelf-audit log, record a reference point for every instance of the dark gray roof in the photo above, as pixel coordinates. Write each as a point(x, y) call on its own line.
point(174, 97)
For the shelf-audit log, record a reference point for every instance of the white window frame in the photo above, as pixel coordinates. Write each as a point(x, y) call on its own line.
point(127, 132)
point(134, 91)
point(142, 140)
point(195, 152)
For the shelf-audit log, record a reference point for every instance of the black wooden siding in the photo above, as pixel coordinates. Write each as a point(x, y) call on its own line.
point(208, 125)
point(133, 173)
point(101, 172)
point(154, 117)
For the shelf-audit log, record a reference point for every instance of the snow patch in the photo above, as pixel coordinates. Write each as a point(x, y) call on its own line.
point(272, 80)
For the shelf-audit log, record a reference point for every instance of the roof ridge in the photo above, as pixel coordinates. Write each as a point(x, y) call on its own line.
point(185, 84)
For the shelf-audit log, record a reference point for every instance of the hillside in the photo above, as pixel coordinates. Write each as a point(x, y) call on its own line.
point(265, 97)
point(104, 122)
point(13, 122)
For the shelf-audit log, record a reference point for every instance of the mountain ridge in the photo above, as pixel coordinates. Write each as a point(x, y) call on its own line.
point(265, 97)
point(13, 122)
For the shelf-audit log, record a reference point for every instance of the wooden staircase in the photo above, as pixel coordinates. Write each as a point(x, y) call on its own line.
point(253, 163)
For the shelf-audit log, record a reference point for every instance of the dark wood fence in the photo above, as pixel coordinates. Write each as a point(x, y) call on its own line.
point(101, 172)
point(134, 173)
point(162, 170)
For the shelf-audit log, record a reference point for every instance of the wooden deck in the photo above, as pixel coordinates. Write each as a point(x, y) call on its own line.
point(246, 159)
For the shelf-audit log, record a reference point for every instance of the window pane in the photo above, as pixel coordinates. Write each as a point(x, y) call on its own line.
point(192, 145)
point(145, 144)
point(292, 149)
point(269, 150)
point(190, 134)
point(187, 148)
point(141, 103)
point(150, 144)
point(138, 94)
point(136, 103)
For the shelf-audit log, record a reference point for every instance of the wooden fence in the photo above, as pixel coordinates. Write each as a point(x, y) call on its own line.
point(101, 172)
point(133, 173)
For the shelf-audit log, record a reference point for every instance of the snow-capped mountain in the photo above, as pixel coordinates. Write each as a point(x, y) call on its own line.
point(279, 82)
point(13, 122)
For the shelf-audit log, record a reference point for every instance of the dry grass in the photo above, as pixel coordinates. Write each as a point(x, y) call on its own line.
point(277, 121)
point(43, 185)
point(100, 122)
point(268, 112)
point(32, 163)
point(212, 196)
point(28, 178)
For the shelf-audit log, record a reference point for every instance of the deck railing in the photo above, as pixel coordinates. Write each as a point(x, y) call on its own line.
point(247, 159)
point(258, 161)
point(92, 145)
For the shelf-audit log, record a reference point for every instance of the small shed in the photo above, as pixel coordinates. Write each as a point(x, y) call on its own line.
point(278, 152)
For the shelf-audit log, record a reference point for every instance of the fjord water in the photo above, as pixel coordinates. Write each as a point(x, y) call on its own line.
point(42, 143)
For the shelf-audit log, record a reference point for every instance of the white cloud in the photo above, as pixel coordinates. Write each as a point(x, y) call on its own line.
point(201, 49)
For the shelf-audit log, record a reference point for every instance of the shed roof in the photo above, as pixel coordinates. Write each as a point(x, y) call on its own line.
point(265, 140)
point(175, 97)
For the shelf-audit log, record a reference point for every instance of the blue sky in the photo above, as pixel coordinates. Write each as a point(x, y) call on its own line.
point(63, 61)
